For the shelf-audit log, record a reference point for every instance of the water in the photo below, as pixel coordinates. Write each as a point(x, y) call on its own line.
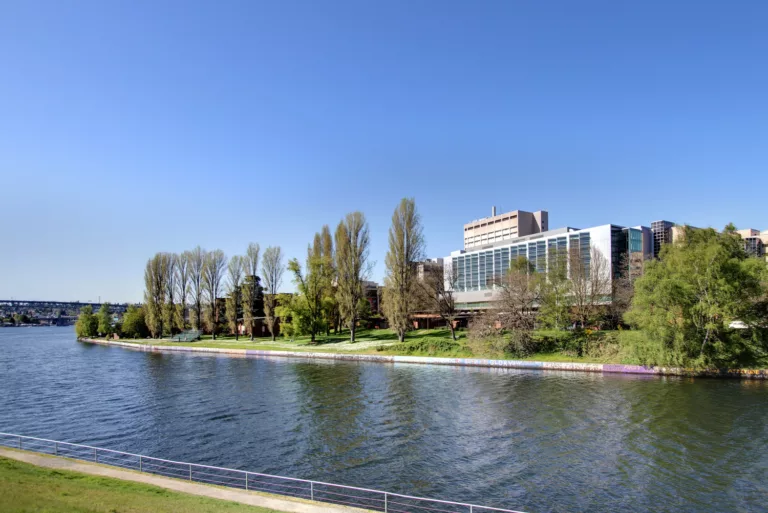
point(516, 439)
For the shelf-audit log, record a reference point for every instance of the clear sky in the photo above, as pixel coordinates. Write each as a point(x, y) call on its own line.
point(130, 127)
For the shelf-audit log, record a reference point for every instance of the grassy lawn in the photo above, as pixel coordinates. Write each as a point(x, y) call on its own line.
point(27, 488)
point(366, 341)
point(433, 342)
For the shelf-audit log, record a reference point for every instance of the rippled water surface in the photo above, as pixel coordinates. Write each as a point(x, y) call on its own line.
point(537, 441)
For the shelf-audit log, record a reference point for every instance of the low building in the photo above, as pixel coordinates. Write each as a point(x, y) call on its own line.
point(427, 265)
point(754, 241)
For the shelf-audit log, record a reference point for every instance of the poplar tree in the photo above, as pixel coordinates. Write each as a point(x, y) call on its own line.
point(406, 249)
point(272, 271)
point(105, 321)
point(182, 287)
point(155, 278)
point(213, 275)
point(352, 247)
point(251, 288)
point(169, 308)
point(197, 258)
point(235, 275)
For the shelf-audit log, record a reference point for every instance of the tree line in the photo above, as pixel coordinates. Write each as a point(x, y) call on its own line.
point(206, 291)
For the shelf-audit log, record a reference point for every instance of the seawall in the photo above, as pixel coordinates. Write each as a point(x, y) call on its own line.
point(605, 368)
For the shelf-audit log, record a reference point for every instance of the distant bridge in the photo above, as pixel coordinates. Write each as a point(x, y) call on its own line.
point(66, 307)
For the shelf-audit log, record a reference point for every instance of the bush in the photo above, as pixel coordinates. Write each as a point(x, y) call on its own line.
point(429, 346)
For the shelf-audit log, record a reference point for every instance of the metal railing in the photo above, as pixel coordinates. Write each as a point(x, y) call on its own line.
point(353, 496)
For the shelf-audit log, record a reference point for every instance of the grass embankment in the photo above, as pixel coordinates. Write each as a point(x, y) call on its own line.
point(548, 345)
point(25, 487)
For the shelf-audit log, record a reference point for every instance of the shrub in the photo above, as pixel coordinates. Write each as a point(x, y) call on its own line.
point(428, 346)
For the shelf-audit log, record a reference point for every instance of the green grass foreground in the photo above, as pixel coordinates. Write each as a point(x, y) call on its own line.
point(432, 342)
point(28, 488)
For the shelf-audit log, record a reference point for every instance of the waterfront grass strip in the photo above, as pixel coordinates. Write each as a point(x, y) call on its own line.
point(25, 487)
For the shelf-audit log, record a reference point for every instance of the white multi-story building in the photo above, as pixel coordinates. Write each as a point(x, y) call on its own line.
point(478, 268)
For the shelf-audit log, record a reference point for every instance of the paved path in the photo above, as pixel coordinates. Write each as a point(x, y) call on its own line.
point(251, 498)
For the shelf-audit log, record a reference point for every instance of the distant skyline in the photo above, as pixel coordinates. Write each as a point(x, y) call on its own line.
point(128, 128)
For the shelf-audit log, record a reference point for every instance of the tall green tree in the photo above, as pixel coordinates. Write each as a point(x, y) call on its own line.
point(105, 321)
point(213, 276)
point(182, 288)
point(406, 249)
point(352, 247)
point(686, 301)
point(324, 251)
point(234, 297)
point(252, 295)
point(87, 324)
point(134, 324)
point(170, 310)
point(272, 270)
point(197, 258)
point(308, 306)
point(155, 280)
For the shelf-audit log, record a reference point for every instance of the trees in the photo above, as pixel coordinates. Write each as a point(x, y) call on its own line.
point(235, 275)
point(519, 295)
point(213, 274)
point(590, 283)
point(170, 312)
point(134, 325)
point(251, 288)
point(197, 258)
point(352, 268)
point(685, 302)
point(105, 321)
point(87, 324)
point(555, 301)
point(182, 287)
point(323, 249)
point(623, 287)
point(307, 309)
point(272, 270)
point(438, 288)
point(155, 280)
point(406, 248)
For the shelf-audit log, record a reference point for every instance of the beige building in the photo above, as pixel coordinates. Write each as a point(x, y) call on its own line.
point(748, 232)
point(678, 233)
point(509, 225)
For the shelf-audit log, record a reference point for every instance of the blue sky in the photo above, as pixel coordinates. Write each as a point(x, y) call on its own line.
point(130, 127)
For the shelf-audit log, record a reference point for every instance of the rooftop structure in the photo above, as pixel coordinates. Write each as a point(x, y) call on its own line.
point(509, 225)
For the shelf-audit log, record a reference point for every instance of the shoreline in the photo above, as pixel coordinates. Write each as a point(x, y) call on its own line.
point(603, 368)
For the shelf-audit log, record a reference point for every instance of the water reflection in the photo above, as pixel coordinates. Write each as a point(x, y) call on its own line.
point(536, 441)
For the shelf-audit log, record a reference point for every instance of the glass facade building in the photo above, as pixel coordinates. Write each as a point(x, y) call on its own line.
point(481, 269)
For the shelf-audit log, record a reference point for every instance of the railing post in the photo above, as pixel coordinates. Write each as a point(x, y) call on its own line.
point(140, 470)
point(470, 508)
point(56, 449)
point(95, 457)
point(385, 502)
point(246, 480)
point(312, 490)
point(19, 442)
point(190, 472)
